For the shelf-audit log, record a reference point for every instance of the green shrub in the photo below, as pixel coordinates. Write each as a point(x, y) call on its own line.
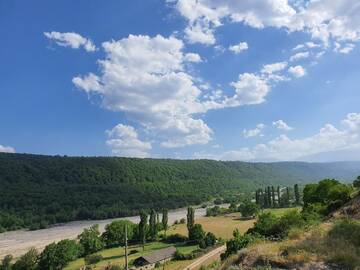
point(175, 238)
point(266, 225)
point(93, 259)
point(113, 267)
point(196, 233)
point(346, 230)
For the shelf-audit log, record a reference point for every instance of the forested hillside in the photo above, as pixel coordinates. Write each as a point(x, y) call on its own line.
point(39, 190)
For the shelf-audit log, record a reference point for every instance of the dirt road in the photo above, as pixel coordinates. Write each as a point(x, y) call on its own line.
point(211, 256)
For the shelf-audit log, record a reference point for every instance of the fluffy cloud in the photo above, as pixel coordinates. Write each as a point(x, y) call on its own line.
point(275, 67)
point(299, 56)
point(123, 141)
point(280, 124)
point(7, 149)
point(254, 132)
point(328, 138)
point(147, 78)
point(322, 19)
point(297, 71)
point(242, 46)
point(72, 40)
point(249, 89)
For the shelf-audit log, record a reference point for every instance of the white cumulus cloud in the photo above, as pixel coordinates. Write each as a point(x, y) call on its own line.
point(123, 141)
point(327, 139)
point(72, 40)
point(280, 124)
point(7, 149)
point(297, 71)
point(299, 56)
point(238, 48)
point(248, 133)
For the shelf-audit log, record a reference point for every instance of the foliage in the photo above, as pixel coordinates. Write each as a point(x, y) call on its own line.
point(196, 233)
point(175, 238)
point(114, 234)
point(190, 219)
point(28, 261)
point(164, 220)
point(57, 256)
point(113, 267)
point(6, 263)
point(208, 241)
point(143, 228)
point(236, 243)
point(248, 209)
point(90, 240)
point(348, 230)
point(216, 211)
point(153, 225)
point(326, 196)
point(93, 259)
point(37, 191)
point(356, 182)
point(271, 226)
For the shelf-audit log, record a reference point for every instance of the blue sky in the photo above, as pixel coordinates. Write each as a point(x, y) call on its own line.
point(232, 80)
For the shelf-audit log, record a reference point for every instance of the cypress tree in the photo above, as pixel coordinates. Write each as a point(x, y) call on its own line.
point(142, 228)
point(273, 196)
point(164, 220)
point(190, 218)
point(297, 194)
point(152, 223)
point(279, 196)
point(287, 197)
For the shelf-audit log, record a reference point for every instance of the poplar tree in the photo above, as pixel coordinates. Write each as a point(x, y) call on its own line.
point(273, 196)
point(190, 218)
point(297, 194)
point(142, 228)
point(164, 220)
point(153, 224)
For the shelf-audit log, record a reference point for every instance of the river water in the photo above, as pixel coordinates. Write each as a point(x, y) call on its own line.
point(19, 242)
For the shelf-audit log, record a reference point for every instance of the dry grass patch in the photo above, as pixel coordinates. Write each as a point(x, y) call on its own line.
point(221, 226)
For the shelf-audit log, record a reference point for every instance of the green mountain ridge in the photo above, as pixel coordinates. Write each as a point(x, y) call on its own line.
point(36, 190)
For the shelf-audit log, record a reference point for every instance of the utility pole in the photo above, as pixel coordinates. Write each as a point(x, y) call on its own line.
point(126, 249)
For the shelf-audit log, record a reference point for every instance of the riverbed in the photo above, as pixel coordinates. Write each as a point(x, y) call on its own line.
point(19, 242)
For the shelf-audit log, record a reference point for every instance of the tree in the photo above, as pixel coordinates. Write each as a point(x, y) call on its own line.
point(326, 196)
point(210, 239)
point(28, 261)
point(257, 197)
point(297, 194)
point(90, 240)
point(164, 220)
point(6, 263)
point(142, 228)
point(57, 256)
point(278, 196)
point(114, 235)
point(190, 218)
point(287, 197)
point(196, 233)
point(152, 224)
point(356, 182)
point(248, 209)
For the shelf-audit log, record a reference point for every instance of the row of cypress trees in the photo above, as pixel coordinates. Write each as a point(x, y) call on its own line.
point(271, 197)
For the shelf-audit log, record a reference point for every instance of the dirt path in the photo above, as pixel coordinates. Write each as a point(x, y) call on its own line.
point(212, 255)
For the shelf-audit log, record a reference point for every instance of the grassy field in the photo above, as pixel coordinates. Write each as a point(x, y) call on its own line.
point(116, 255)
point(221, 226)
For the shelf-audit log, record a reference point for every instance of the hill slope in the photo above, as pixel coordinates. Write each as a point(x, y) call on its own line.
point(35, 189)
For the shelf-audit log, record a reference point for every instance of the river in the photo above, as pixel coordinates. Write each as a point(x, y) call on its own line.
point(18, 242)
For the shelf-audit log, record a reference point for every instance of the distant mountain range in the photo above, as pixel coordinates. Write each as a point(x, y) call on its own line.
point(36, 189)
